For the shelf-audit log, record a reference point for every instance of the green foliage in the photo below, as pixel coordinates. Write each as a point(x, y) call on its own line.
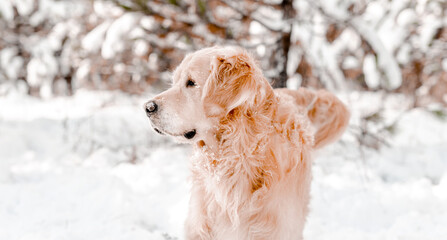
point(439, 113)
point(201, 4)
point(374, 117)
point(174, 2)
point(392, 129)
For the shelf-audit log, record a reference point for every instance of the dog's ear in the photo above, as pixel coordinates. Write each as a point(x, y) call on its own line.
point(232, 83)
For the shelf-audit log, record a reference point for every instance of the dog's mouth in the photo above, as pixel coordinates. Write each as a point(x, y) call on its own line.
point(158, 131)
point(188, 135)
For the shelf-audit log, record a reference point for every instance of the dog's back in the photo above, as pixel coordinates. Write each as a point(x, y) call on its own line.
point(328, 115)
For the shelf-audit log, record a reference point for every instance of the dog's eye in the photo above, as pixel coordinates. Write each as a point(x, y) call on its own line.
point(190, 83)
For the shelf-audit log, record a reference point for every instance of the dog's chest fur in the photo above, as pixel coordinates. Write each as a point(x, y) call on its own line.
point(239, 191)
point(255, 185)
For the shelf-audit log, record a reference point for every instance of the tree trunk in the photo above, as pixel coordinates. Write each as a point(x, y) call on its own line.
point(282, 55)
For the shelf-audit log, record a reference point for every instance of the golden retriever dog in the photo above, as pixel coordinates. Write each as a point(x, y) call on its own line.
point(251, 170)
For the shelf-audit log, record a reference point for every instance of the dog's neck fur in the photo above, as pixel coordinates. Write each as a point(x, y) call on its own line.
point(241, 146)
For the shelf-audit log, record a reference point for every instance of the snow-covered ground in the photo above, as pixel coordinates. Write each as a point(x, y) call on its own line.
point(89, 167)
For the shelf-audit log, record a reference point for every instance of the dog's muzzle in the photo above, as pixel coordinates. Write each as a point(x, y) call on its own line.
point(151, 108)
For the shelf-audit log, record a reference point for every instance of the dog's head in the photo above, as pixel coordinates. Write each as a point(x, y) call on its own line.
point(207, 86)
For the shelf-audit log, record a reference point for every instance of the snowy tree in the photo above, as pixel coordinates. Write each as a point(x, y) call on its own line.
point(54, 47)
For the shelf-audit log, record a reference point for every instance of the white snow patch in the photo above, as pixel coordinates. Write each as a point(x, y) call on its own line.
point(41, 71)
point(107, 9)
point(148, 23)
point(24, 7)
point(11, 63)
point(94, 39)
point(372, 74)
point(117, 34)
point(386, 60)
point(260, 50)
point(429, 27)
point(6, 11)
point(294, 82)
point(256, 28)
point(407, 17)
point(404, 54)
point(350, 62)
point(141, 47)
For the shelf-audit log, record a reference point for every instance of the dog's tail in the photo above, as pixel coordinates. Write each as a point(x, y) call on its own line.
point(328, 115)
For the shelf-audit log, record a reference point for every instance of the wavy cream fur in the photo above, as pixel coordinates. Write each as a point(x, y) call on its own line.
point(252, 169)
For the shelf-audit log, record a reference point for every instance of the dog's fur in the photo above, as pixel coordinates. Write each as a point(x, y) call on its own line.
point(251, 170)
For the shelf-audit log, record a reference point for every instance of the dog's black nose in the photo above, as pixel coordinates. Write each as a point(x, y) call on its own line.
point(151, 107)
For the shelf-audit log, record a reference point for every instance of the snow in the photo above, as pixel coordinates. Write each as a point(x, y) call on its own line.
point(40, 72)
point(141, 47)
point(105, 9)
point(391, 29)
point(332, 66)
point(54, 10)
point(397, 193)
point(269, 17)
point(6, 10)
point(24, 7)
point(372, 74)
point(350, 63)
point(294, 59)
point(148, 23)
point(374, 11)
point(430, 25)
point(404, 54)
point(385, 59)
point(90, 167)
point(407, 17)
point(294, 82)
point(153, 61)
point(348, 39)
point(93, 41)
point(116, 33)
point(260, 50)
point(10, 63)
point(256, 28)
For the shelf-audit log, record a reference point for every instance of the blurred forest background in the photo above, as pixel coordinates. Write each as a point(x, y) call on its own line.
point(51, 47)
